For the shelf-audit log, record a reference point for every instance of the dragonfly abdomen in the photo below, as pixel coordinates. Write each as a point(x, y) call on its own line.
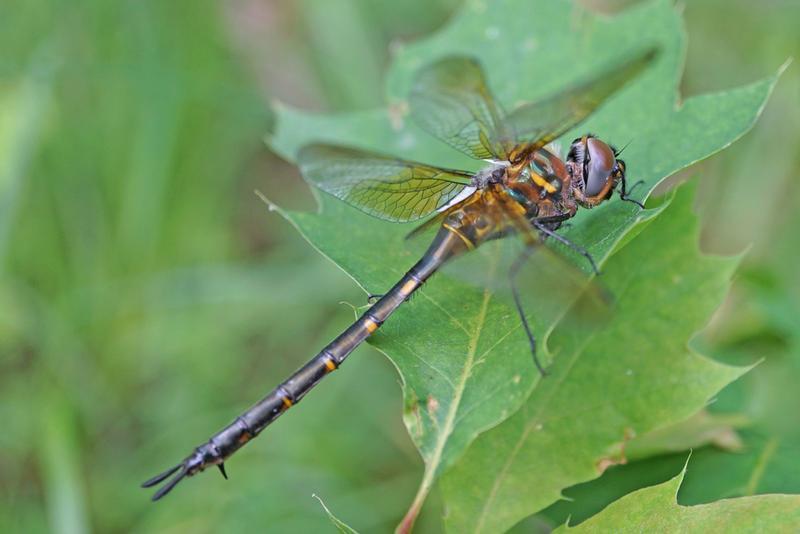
point(248, 425)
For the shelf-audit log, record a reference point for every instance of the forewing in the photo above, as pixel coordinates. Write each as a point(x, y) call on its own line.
point(384, 187)
point(451, 100)
point(538, 123)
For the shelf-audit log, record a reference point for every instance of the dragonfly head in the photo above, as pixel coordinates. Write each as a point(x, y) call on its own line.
point(595, 170)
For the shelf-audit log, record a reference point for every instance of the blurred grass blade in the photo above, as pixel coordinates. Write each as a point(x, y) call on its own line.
point(341, 526)
point(61, 467)
point(23, 107)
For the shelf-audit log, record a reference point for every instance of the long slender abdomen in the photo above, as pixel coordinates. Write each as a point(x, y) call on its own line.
point(448, 242)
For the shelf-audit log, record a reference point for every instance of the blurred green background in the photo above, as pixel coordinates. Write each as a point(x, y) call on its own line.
point(147, 296)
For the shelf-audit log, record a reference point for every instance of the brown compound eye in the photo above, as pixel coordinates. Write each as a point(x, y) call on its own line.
point(598, 165)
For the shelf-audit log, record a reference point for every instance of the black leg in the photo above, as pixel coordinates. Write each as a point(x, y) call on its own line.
point(564, 241)
point(512, 274)
point(624, 195)
point(552, 220)
point(372, 298)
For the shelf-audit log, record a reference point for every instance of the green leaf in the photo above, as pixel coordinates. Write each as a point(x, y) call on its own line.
point(607, 385)
point(655, 509)
point(757, 325)
point(586, 499)
point(463, 359)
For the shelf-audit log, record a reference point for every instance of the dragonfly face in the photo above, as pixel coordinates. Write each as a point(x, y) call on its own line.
point(594, 170)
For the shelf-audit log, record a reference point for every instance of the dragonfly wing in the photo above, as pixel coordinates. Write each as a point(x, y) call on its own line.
point(550, 276)
point(451, 100)
point(384, 187)
point(538, 123)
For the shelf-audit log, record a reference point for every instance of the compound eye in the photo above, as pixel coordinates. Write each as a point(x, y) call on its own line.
point(598, 167)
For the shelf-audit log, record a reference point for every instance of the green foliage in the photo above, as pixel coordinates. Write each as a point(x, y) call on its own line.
point(656, 509)
point(463, 359)
point(146, 298)
point(608, 384)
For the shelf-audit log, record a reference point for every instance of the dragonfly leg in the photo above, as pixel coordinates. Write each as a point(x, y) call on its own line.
point(372, 298)
point(513, 272)
point(553, 222)
point(625, 194)
point(564, 241)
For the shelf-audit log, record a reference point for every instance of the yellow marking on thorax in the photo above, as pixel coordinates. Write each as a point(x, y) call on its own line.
point(287, 402)
point(470, 244)
point(541, 182)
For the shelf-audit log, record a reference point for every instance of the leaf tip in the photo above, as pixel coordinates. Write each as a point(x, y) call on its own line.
point(271, 206)
point(678, 479)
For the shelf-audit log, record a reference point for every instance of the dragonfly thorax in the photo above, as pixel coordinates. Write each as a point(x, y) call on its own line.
point(542, 184)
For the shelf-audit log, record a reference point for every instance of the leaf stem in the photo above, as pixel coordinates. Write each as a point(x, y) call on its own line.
point(425, 486)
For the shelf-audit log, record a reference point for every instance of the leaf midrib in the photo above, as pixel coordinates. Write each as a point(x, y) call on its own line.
point(432, 465)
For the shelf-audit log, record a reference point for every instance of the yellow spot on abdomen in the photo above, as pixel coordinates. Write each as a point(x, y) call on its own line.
point(370, 325)
point(408, 287)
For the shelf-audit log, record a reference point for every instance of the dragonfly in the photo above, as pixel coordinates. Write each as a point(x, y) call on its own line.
point(525, 188)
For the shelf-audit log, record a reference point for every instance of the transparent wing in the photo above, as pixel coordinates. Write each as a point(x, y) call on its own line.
point(386, 188)
point(538, 123)
point(553, 282)
point(451, 100)
point(551, 279)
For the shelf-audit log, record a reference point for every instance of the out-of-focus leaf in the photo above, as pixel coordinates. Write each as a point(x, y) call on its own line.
point(349, 69)
point(455, 387)
point(703, 428)
point(656, 509)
